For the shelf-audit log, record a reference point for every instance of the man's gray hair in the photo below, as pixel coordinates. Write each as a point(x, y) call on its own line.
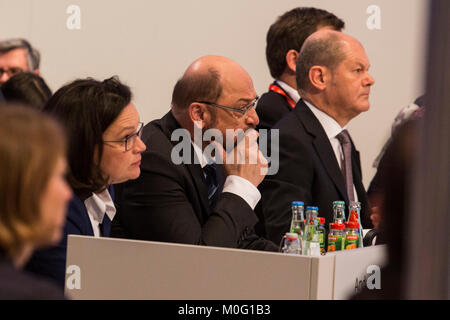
point(33, 55)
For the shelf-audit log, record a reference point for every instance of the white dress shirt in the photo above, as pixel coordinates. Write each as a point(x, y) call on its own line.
point(292, 93)
point(97, 206)
point(332, 129)
point(233, 184)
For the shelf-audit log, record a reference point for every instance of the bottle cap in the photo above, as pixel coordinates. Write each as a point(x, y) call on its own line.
point(291, 236)
point(298, 203)
point(315, 208)
point(352, 225)
point(309, 208)
point(322, 220)
point(338, 202)
point(337, 226)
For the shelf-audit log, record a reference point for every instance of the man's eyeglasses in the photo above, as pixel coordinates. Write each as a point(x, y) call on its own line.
point(130, 140)
point(10, 72)
point(242, 111)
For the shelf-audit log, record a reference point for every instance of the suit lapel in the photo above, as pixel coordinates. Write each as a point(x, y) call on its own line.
point(168, 124)
point(322, 145)
point(79, 216)
point(357, 176)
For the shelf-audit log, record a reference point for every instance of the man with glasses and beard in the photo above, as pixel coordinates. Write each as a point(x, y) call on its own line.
point(199, 201)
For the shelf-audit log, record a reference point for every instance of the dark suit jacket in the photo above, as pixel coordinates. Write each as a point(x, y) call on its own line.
point(271, 108)
point(169, 202)
point(308, 172)
point(16, 284)
point(51, 262)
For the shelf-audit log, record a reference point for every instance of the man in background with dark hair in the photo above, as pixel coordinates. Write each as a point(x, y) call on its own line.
point(284, 40)
point(17, 55)
point(198, 201)
point(318, 160)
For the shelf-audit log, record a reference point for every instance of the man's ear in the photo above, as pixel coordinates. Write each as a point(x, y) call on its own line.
point(319, 77)
point(37, 72)
point(291, 60)
point(197, 112)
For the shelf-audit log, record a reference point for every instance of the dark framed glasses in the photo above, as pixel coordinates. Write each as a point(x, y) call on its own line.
point(130, 140)
point(242, 111)
point(10, 72)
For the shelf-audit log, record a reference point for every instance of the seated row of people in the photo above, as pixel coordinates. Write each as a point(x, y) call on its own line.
point(203, 201)
point(126, 182)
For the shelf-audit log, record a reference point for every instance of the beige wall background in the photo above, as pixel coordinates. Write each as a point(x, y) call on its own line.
point(149, 44)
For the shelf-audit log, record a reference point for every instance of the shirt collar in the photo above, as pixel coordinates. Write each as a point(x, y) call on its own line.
point(204, 160)
point(293, 94)
point(331, 127)
point(99, 204)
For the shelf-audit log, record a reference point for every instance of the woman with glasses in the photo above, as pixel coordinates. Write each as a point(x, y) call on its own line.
point(104, 131)
point(34, 198)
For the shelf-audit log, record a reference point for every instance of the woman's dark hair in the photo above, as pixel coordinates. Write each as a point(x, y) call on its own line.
point(28, 89)
point(86, 108)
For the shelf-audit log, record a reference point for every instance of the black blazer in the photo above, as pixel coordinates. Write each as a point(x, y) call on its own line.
point(169, 202)
point(16, 284)
point(271, 108)
point(308, 172)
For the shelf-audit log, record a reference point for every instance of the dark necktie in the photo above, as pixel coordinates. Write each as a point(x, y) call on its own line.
point(210, 171)
point(344, 139)
point(105, 226)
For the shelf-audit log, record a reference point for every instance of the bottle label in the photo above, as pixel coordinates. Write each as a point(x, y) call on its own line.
point(334, 243)
point(310, 232)
point(322, 241)
point(351, 242)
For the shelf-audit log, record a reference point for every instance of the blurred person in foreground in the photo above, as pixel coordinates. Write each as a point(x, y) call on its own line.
point(413, 111)
point(104, 147)
point(395, 180)
point(34, 198)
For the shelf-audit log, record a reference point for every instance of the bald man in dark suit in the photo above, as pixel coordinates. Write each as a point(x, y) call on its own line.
point(319, 163)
